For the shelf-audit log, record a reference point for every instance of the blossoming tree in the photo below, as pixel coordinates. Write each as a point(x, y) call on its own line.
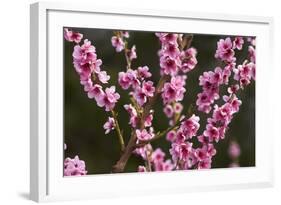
point(176, 59)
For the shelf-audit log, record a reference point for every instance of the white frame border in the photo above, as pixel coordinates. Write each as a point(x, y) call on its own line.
point(38, 83)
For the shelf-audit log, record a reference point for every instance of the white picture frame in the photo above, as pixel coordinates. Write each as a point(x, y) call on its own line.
point(46, 154)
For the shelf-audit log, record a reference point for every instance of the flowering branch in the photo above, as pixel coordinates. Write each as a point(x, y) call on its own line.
point(176, 58)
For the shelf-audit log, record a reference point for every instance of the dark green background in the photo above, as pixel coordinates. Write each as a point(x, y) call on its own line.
point(83, 120)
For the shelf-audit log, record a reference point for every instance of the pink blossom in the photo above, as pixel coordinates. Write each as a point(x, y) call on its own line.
point(178, 107)
point(157, 156)
point(188, 59)
point(233, 89)
point(169, 54)
point(244, 73)
point(180, 136)
point(103, 77)
point(252, 40)
point(170, 93)
point(211, 81)
point(235, 103)
point(224, 50)
point(169, 65)
point(238, 43)
point(174, 90)
point(143, 72)
point(205, 164)
point(133, 114)
point(74, 167)
point(171, 136)
point(203, 102)
point(109, 99)
point(148, 88)
point(201, 153)
point(88, 84)
point(168, 110)
point(125, 34)
point(130, 109)
point(132, 53)
point(205, 152)
point(178, 81)
point(128, 79)
point(171, 49)
point(96, 92)
point(84, 54)
point(223, 113)
point(109, 125)
point(226, 73)
point(181, 151)
point(211, 150)
point(203, 139)
point(140, 96)
point(190, 126)
point(234, 150)
point(212, 133)
point(143, 135)
point(117, 43)
point(148, 120)
point(85, 60)
point(167, 37)
point(72, 36)
point(124, 80)
point(86, 64)
point(164, 166)
point(252, 54)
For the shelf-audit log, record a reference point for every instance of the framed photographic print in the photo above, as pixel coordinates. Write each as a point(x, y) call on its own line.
point(123, 97)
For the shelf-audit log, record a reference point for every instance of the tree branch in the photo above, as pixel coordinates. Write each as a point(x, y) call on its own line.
point(121, 163)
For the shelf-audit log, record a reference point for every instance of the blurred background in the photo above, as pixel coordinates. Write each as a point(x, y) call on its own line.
point(84, 120)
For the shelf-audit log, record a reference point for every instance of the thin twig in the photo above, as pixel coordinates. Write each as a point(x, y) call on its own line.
point(119, 133)
point(126, 51)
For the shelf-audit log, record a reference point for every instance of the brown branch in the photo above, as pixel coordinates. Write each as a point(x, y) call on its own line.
point(121, 163)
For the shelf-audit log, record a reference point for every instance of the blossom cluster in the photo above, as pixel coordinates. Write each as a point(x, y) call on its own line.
point(119, 43)
point(142, 89)
point(172, 59)
point(212, 80)
point(174, 62)
point(88, 67)
point(74, 167)
point(72, 36)
point(156, 159)
point(176, 59)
